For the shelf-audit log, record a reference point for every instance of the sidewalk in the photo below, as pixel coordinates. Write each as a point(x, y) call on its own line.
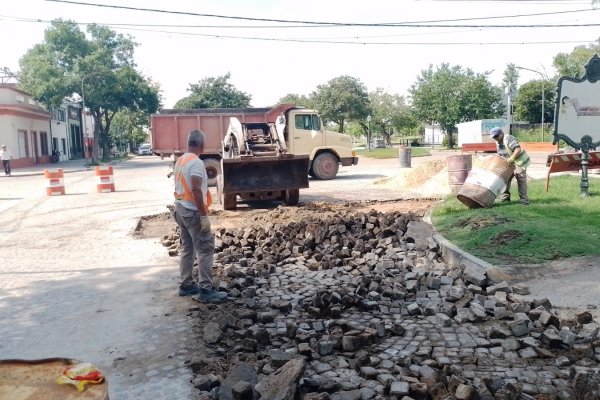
point(67, 166)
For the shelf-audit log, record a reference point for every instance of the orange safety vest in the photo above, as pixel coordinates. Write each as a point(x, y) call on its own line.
point(187, 194)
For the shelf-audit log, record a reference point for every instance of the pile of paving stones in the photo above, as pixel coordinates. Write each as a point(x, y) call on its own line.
point(342, 306)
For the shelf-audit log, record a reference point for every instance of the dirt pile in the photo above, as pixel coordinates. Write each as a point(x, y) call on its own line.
point(431, 177)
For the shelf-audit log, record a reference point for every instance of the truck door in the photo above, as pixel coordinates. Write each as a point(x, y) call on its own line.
point(307, 133)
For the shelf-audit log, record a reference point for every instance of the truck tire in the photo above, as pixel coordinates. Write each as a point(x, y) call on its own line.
point(291, 197)
point(229, 202)
point(325, 166)
point(213, 170)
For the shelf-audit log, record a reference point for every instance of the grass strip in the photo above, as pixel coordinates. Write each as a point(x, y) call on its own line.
point(555, 225)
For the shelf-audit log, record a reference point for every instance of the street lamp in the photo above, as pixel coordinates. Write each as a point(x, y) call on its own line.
point(543, 99)
point(369, 131)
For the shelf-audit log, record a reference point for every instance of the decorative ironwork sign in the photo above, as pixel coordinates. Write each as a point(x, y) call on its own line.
point(577, 114)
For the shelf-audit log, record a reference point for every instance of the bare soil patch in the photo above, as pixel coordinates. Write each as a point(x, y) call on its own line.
point(157, 226)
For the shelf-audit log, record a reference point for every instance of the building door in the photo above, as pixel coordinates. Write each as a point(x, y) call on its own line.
point(22, 143)
point(77, 145)
point(36, 153)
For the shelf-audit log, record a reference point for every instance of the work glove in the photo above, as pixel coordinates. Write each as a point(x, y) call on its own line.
point(204, 224)
point(510, 161)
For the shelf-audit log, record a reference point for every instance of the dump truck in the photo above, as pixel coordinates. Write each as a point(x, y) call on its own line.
point(256, 165)
point(303, 134)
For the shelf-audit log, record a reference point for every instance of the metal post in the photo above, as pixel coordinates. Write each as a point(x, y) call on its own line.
point(369, 132)
point(84, 136)
point(585, 184)
point(543, 101)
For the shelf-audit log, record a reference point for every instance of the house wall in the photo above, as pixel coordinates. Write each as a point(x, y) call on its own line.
point(24, 127)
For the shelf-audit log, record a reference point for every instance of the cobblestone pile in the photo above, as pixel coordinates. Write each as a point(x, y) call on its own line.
point(342, 306)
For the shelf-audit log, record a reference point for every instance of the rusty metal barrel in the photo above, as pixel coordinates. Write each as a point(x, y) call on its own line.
point(458, 170)
point(404, 156)
point(485, 182)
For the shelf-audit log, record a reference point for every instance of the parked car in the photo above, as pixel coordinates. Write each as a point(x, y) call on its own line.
point(378, 144)
point(145, 150)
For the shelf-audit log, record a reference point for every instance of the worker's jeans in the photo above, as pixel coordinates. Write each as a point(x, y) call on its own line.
point(520, 175)
point(194, 243)
point(6, 165)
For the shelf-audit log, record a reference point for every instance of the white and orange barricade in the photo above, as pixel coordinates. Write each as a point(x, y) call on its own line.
point(55, 185)
point(564, 162)
point(105, 180)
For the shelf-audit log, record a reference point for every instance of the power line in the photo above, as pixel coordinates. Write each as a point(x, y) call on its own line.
point(318, 23)
point(406, 25)
point(356, 40)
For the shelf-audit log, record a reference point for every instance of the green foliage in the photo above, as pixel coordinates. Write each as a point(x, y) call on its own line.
point(214, 93)
point(129, 129)
point(391, 113)
point(528, 103)
point(101, 69)
point(449, 95)
point(572, 64)
point(550, 228)
point(297, 99)
point(510, 79)
point(342, 99)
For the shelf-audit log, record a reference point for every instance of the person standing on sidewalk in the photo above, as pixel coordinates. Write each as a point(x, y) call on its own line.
point(6, 156)
point(508, 147)
point(192, 200)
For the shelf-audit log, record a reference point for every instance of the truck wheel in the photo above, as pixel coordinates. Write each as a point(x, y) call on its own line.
point(229, 202)
point(291, 197)
point(213, 170)
point(325, 166)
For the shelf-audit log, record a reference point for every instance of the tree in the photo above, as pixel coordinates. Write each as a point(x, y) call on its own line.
point(342, 99)
point(528, 103)
point(390, 112)
point(572, 64)
point(297, 99)
point(99, 67)
point(510, 83)
point(214, 93)
point(449, 95)
point(128, 129)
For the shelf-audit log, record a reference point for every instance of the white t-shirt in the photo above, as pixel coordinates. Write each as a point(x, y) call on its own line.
point(194, 167)
point(5, 154)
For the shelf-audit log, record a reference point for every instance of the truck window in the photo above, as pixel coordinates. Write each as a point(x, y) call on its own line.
point(309, 122)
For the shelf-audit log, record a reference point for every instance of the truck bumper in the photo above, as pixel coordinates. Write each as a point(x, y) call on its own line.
point(349, 161)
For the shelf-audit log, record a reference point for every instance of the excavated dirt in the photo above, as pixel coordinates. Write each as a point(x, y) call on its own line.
point(154, 226)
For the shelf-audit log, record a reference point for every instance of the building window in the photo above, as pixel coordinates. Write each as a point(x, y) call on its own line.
point(58, 114)
point(64, 145)
point(54, 144)
point(22, 143)
point(44, 143)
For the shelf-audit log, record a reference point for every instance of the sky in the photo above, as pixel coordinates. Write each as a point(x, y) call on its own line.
point(275, 47)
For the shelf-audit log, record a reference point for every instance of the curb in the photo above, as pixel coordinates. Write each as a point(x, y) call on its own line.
point(456, 257)
point(42, 172)
point(79, 169)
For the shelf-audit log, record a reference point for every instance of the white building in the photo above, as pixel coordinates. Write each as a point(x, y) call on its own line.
point(433, 134)
point(24, 127)
point(478, 131)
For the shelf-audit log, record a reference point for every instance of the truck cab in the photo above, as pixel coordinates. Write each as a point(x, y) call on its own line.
point(305, 134)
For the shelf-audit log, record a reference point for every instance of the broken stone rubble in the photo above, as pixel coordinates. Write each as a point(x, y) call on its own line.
point(376, 313)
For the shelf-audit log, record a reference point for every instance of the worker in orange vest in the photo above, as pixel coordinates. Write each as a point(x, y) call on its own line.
point(192, 200)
